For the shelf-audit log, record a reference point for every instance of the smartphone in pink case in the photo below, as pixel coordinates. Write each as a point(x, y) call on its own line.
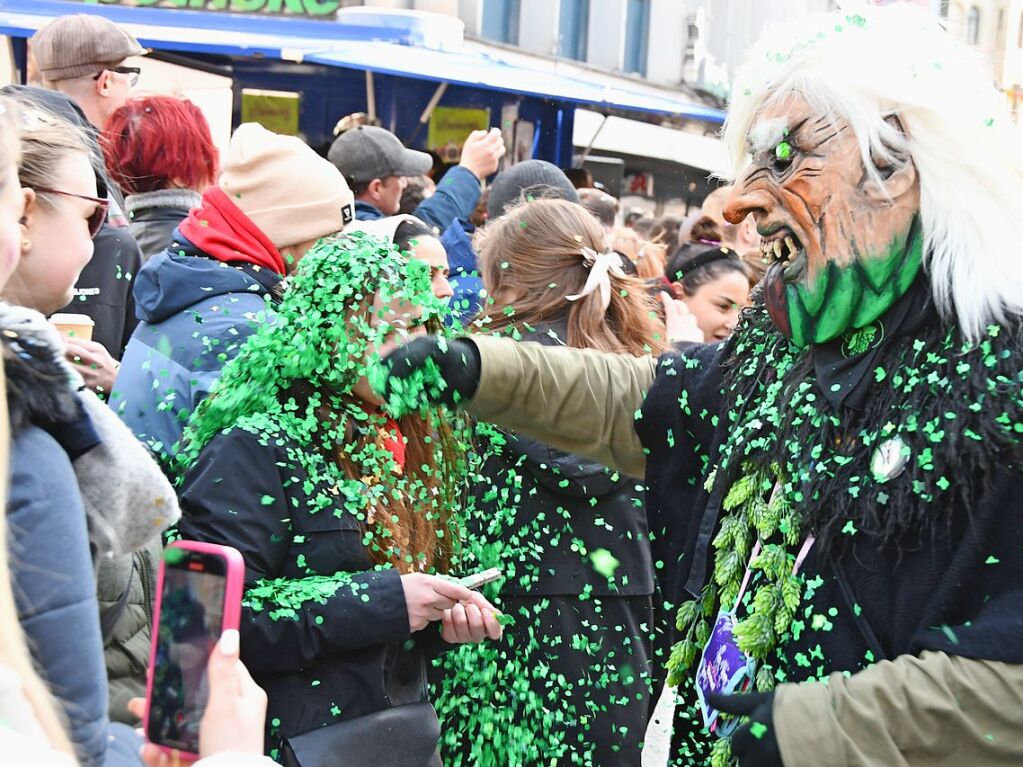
point(198, 597)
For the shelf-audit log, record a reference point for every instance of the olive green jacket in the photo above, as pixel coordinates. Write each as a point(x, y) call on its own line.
point(126, 650)
point(935, 710)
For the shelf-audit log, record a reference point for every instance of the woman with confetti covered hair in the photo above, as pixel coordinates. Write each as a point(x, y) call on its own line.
point(343, 514)
point(568, 533)
point(418, 240)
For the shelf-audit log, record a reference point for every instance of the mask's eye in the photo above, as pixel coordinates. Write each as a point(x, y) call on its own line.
point(783, 154)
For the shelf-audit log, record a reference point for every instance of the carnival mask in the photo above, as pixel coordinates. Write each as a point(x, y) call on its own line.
point(842, 247)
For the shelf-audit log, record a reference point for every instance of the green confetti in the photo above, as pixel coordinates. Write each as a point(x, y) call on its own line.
point(604, 562)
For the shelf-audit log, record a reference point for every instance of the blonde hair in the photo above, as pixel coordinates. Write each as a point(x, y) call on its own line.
point(10, 146)
point(534, 251)
point(46, 141)
point(14, 652)
point(950, 122)
point(650, 257)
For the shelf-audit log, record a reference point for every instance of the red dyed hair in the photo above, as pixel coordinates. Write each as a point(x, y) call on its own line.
point(151, 143)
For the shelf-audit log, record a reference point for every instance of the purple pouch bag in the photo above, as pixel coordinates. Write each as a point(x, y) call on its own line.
point(724, 668)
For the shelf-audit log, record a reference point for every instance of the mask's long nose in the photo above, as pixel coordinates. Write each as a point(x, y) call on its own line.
point(748, 196)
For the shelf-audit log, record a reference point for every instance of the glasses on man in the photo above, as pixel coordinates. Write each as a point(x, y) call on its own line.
point(96, 218)
point(132, 72)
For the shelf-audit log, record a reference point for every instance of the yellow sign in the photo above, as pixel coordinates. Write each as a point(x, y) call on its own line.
point(450, 126)
point(275, 110)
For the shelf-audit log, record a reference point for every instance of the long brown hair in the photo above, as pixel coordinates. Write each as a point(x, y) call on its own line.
point(531, 260)
point(417, 531)
point(649, 257)
point(416, 526)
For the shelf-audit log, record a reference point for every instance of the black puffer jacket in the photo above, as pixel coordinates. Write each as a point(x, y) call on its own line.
point(324, 653)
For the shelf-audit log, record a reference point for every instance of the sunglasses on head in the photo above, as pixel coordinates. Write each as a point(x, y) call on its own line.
point(96, 218)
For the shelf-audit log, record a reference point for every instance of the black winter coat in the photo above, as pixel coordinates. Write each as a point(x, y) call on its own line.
point(341, 653)
point(559, 500)
point(950, 586)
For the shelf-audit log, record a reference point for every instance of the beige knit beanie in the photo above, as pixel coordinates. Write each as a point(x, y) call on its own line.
point(291, 193)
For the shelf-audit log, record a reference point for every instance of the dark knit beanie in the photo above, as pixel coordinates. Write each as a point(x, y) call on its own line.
point(532, 177)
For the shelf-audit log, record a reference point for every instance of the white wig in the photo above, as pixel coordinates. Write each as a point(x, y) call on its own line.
point(896, 61)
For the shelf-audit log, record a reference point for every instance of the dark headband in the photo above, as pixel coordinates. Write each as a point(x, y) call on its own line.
point(713, 253)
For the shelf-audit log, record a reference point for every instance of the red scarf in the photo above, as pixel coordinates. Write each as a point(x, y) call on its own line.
point(389, 434)
point(220, 230)
point(394, 441)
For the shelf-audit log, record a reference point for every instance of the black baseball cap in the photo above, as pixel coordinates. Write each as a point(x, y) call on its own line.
point(368, 152)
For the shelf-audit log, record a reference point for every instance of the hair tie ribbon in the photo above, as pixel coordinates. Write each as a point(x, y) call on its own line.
point(602, 266)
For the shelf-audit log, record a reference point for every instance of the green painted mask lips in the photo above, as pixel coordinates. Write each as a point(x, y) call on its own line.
point(841, 297)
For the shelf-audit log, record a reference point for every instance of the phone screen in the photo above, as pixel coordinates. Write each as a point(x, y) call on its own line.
point(190, 621)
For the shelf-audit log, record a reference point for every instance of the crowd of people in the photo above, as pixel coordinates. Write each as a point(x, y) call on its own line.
point(763, 456)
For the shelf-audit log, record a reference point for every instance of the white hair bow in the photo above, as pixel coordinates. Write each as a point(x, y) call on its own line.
point(602, 266)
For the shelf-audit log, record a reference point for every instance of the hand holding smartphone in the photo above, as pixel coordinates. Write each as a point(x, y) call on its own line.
point(199, 593)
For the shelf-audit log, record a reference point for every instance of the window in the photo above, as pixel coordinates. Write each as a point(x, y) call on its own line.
point(573, 29)
point(501, 21)
point(973, 26)
point(692, 36)
point(637, 31)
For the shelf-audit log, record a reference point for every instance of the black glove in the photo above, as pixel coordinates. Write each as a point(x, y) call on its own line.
point(754, 744)
point(430, 370)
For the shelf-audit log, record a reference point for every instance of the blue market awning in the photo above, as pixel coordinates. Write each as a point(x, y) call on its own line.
point(378, 50)
point(482, 71)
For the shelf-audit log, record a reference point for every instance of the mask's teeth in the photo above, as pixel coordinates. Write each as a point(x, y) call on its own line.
point(777, 250)
point(792, 247)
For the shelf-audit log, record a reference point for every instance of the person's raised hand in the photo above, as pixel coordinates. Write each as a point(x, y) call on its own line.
point(93, 362)
point(428, 371)
point(482, 152)
point(680, 323)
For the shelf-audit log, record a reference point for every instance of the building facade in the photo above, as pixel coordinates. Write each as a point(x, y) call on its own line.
point(693, 46)
point(696, 43)
point(996, 28)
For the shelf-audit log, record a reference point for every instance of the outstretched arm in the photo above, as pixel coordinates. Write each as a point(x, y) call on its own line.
point(577, 400)
point(936, 709)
